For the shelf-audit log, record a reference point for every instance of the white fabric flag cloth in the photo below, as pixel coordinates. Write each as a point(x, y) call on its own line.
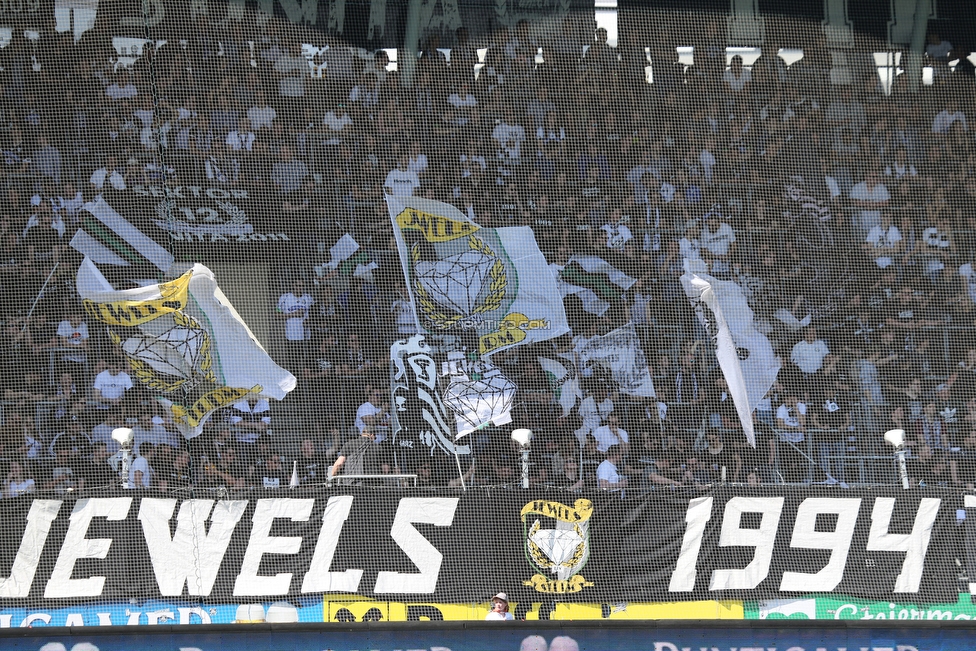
point(342, 250)
point(744, 354)
point(185, 343)
point(595, 282)
point(493, 282)
point(561, 373)
point(621, 353)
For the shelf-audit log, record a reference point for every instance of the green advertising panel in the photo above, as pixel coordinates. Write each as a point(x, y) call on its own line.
point(840, 607)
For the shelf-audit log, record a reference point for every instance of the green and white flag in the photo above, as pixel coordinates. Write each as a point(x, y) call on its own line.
point(596, 282)
point(185, 343)
point(106, 237)
point(563, 380)
point(493, 282)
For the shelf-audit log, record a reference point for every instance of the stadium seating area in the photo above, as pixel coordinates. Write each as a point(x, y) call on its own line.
point(845, 212)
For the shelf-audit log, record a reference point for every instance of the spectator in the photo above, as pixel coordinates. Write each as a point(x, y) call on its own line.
point(141, 472)
point(274, 475)
point(110, 386)
point(95, 469)
point(64, 474)
point(612, 434)
point(294, 307)
point(809, 354)
point(228, 471)
point(357, 457)
point(17, 482)
point(402, 181)
point(374, 414)
point(608, 475)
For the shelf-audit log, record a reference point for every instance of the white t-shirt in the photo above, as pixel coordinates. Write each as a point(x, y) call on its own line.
point(240, 140)
point(608, 471)
point(969, 275)
point(719, 241)
point(114, 179)
point(76, 335)
point(883, 238)
point(300, 305)
point(402, 184)
point(737, 83)
point(791, 419)
point(140, 464)
point(510, 137)
point(500, 617)
point(261, 116)
point(878, 193)
point(336, 123)
point(111, 386)
point(605, 437)
point(809, 357)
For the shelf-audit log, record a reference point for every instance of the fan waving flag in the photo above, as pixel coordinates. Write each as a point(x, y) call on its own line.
point(744, 354)
point(185, 343)
point(492, 282)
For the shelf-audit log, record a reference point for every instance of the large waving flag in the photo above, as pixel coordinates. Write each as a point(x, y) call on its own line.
point(744, 354)
point(107, 238)
point(185, 343)
point(493, 282)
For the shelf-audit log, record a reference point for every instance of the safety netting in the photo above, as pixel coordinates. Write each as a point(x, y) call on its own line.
point(372, 309)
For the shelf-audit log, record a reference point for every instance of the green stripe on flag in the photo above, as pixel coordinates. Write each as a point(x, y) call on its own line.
point(111, 241)
point(599, 283)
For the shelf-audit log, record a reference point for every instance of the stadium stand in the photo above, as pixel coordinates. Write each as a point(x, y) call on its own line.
point(839, 202)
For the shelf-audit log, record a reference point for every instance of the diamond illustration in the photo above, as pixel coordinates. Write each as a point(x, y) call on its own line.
point(475, 402)
point(456, 281)
point(558, 544)
point(176, 351)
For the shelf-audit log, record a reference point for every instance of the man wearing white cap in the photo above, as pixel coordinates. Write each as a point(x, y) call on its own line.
point(499, 608)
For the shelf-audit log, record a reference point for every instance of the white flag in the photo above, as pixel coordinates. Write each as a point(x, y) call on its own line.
point(493, 282)
point(744, 354)
point(561, 373)
point(620, 352)
point(185, 343)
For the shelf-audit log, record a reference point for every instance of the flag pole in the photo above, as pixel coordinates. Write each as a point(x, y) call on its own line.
point(39, 293)
point(460, 473)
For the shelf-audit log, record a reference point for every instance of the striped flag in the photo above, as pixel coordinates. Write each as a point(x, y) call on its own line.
point(596, 282)
point(106, 237)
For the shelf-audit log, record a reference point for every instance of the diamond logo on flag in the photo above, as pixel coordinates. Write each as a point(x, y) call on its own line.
point(476, 402)
point(456, 281)
point(558, 544)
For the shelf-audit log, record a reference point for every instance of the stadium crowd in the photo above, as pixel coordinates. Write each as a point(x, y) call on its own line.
point(844, 212)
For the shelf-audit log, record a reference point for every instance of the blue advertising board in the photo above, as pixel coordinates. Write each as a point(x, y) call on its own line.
point(501, 636)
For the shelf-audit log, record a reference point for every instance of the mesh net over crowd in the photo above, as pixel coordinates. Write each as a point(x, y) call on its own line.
point(573, 300)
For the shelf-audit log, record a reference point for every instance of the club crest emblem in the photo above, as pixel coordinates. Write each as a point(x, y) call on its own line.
point(557, 544)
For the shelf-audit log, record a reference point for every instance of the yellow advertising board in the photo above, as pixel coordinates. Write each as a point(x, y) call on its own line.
point(350, 608)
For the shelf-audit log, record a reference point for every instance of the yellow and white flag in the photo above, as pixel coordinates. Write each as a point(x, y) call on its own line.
point(185, 343)
point(493, 282)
